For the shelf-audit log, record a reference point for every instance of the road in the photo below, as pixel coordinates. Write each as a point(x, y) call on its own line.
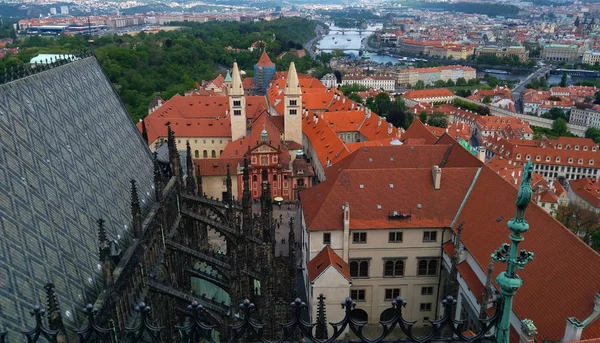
point(516, 92)
point(308, 46)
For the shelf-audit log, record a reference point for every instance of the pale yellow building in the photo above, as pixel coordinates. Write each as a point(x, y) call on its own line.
point(510, 51)
point(385, 225)
point(560, 52)
point(591, 57)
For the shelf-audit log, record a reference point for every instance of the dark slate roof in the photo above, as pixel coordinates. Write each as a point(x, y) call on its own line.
point(67, 152)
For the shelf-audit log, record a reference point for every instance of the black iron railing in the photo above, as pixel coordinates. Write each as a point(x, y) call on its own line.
point(21, 71)
point(197, 330)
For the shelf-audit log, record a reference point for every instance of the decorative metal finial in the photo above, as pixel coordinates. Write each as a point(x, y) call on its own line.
point(509, 281)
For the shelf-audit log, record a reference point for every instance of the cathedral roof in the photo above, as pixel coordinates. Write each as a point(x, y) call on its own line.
point(68, 151)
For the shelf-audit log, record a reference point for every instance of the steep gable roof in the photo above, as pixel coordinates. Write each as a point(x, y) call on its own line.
point(264, 60)
point(549, 295)
point(418, 130)
point(325, 258)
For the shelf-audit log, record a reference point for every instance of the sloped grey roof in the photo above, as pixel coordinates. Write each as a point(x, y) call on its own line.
point(67, 152)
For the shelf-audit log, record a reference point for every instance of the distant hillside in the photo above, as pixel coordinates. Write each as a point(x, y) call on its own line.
point(491, 10)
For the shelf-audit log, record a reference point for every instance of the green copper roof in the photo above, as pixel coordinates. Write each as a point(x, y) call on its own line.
point(228, 77)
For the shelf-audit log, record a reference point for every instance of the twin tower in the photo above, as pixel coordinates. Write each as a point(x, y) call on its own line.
point(292, 112)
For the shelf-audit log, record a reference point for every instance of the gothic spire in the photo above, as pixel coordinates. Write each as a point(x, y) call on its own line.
point(487, 292)
point(189, 181)
point(136, 211)
point(291, 259)
point(158, 185)
point(53, 310)
point(292, 85)
point(246, 198)
point(199, 181)
point(173, 153)
point(321, 332)
point(236, 81)
point(228, 193)
point(144, 132)
point(452, 281)
point(103, 243)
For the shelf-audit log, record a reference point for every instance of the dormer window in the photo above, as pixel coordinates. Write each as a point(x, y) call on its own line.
point(580, 161)
point(591, 162)
point(557, 159)
point(585, 148)
point(559, 146)
point(528, 157)
point(547, 158)
point(577, 147)
point(593, 148)
point(518, 156)
point(537, 158)
point(570, 160)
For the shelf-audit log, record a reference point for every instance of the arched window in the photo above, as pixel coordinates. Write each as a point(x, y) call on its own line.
point(359, 268)
point(213, 154)
point(205, 154)
point(394, 268)
point(196, 154)
point(423, 267)
point(220, 152)
point(428, 267)
point(254, 178)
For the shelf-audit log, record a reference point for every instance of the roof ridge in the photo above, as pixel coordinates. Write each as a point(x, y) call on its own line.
point(462, 204)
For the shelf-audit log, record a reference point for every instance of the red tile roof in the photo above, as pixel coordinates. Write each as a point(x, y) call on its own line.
point(364, 189)
point(476, 286)
point(418, 130)
point(549, 295)
point(217, 166)
point(428, 93)
point(325, 258)
point(588, 189)
point(264, 60)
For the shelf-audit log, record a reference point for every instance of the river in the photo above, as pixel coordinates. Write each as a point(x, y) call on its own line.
point(350, 42)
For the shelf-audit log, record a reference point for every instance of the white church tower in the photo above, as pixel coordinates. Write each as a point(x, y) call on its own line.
point(237, 105)
point(292, 107)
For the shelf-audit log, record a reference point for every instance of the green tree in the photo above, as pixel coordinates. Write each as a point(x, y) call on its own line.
point(588, 100)
point(440, 83)
point(486, 100)
point(461, 81)
point(559, 126)
point(355, 97)
point(563, 80)
point(419, 85)
point(438, 120)
point(450, 83)
point(593, 133)
point(597, 96)
point(352, 88)
point(423, 117)
point(556, 113)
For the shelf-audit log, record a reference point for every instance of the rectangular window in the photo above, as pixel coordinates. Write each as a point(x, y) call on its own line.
point(426, 290)
point(327, 238)
point(293, 102)
point(427, 267)
point(392, 293)
point(357, 294)
point(395, 237)
point(293, 111)
point(237, 103)
point(237, 112)
point(429, 236)
point(359, 237)
point(359, 268)
point(425, 306)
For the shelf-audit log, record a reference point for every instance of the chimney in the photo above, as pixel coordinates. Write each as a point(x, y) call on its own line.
point(436, 173)
point(316, 119)
point(368, 113)
point(573, 330)
point(346, 213)
point(390, 128)
point(481, 153)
